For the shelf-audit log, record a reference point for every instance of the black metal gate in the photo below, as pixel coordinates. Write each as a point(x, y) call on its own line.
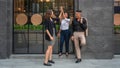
point(28, 24)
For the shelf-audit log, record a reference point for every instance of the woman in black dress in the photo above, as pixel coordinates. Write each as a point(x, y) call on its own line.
point(50, 35)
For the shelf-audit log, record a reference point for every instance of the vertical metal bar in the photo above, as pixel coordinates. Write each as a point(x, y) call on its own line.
point(58, 4)
point(74, 9)
point(28, 23)
point(21, 5)
point(43, 29)
point(18, 6)
point(66, 4)
point(35, 6)
point(39, 6)
point(13, 47)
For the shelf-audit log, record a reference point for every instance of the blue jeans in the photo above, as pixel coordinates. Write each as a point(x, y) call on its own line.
point(64, 36)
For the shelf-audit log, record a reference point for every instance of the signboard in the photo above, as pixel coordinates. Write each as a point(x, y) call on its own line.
point(21, 19)
point(36, 19)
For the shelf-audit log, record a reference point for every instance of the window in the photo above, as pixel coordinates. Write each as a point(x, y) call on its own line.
point(117, 16)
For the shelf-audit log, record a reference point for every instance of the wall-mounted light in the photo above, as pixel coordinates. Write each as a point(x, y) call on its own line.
point(19, 9)
point(45, 0)
point(41, 0)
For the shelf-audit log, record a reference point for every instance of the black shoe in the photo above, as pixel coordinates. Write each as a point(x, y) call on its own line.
point(47, 64)
point(78, 61)
point(51, 61)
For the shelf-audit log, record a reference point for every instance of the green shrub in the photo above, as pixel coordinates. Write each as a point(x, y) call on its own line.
point(30, 27)
point(117, 27)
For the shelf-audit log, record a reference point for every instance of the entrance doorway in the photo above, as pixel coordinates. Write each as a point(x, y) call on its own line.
point(28, 24)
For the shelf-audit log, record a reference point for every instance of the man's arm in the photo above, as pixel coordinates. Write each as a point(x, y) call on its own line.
point(83, 24)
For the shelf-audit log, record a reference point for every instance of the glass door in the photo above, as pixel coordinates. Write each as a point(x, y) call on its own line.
point(28, 24)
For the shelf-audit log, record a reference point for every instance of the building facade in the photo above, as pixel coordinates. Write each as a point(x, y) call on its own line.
point(18, 36)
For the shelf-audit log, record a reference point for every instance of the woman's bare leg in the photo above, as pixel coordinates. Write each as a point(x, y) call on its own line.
point(47, 54)
point(51, 50)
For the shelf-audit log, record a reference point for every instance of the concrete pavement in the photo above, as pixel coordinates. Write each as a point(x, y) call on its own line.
point(36, 61)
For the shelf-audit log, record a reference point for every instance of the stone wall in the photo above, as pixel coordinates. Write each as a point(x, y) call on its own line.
point(117, 44)
point(5, 28)
point(100, 25)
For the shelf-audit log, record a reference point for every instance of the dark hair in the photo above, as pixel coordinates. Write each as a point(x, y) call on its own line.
point(79, 11)
point(67, 14)
point(48, 14)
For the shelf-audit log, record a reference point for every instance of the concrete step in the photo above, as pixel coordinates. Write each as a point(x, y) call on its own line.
point(116, 56)
point(55, 56)
point(39, 56)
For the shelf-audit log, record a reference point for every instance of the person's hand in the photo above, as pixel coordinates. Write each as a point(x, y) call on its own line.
point(58, 35)
point(71, 17)
point(72, 38)
point(80, 21)
point(53, 16)
point(51, 38)
point(61, 8)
